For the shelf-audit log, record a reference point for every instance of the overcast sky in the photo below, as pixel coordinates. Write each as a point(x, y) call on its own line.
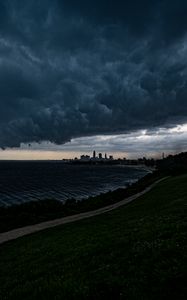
point(79, 74)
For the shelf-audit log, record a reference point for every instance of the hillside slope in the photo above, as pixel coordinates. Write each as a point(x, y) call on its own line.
point(136, 252)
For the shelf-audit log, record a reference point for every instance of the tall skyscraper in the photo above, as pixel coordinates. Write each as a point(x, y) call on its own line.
point(94, 154)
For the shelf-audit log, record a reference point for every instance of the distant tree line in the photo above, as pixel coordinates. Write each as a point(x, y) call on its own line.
point(173, 164)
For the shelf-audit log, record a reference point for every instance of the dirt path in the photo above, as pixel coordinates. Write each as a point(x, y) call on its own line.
point(19, 232)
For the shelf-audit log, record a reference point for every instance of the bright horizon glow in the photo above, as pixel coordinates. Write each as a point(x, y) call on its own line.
point(48, 155)
point(133, 145)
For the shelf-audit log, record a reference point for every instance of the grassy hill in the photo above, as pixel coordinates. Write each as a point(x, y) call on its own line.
point(34, 212)
point(135, 252)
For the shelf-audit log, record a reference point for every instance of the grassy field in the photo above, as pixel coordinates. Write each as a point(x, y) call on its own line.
point(135, 252)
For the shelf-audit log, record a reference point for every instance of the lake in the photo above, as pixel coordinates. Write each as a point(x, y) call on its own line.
point(27, 181)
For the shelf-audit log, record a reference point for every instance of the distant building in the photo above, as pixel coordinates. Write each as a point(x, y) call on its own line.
point(106, 156)
point(85, 157)
point(111, 157)
point(100, 156)
point(94, 154)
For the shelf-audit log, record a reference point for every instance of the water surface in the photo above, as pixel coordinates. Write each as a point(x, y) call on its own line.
point(26, 181)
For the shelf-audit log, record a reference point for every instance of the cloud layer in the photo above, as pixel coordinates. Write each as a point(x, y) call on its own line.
point(74, 68)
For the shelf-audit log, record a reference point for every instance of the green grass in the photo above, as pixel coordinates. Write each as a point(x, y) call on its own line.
point(136, 252)
point(33, 212)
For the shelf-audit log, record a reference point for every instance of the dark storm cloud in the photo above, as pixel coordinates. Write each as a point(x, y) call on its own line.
point(78, 68)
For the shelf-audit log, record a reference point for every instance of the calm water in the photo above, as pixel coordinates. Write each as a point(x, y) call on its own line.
point(26, 181)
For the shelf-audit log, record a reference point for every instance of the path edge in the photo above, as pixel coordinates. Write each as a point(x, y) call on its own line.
point(30, 229)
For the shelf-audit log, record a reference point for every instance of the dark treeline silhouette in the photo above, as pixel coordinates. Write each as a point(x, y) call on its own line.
point(173, 164)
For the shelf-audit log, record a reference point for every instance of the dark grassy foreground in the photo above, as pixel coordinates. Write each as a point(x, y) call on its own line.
point(39, 211)
point(135, 252)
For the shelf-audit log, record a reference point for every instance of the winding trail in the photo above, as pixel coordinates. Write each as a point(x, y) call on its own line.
point(20, 232)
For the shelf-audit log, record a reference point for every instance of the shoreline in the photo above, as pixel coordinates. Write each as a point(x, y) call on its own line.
point(34, 212)
point(27, 230)
point(64, 183)
point(138, 247)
